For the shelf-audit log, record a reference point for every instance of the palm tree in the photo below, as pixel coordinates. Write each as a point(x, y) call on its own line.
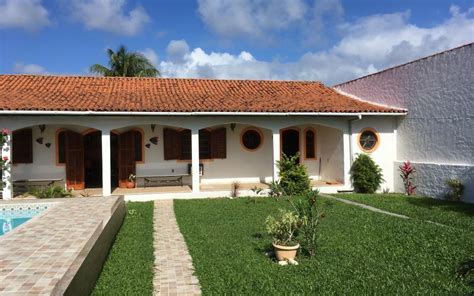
point(126, 64)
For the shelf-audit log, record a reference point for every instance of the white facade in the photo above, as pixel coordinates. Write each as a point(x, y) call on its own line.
point(437, 135)
point(332, 160)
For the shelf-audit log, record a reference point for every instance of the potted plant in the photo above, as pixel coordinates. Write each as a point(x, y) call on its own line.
point(284, 232)
point(131, 181)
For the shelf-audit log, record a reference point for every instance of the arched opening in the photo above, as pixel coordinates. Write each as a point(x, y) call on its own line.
point(290, 142)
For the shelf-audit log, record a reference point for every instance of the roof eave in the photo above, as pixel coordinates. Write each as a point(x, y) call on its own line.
point(139, 113)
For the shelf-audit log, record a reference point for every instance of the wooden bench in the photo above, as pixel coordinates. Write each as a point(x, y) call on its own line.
point(162, 179)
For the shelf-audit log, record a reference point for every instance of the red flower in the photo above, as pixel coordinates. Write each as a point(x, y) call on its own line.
point(5, 131)
point(5, 158)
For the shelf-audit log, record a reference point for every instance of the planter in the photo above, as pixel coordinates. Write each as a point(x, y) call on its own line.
point(285, 252)
point(130, 184)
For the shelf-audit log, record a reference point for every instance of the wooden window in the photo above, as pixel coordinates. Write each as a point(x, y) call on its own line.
point(251, 139)
point(177, 144)
point(22, 146)
point(171, 144)
point(185, 145)
point(138, 139)
point(368, 140)
point(61, 147)
point(204, 144)
point(310, 141)
point(218, 143)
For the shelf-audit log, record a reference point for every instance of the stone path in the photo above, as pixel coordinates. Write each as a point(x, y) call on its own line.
point(173, 264)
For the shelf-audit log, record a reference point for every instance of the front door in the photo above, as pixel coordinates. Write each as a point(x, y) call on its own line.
point(74, 160)
point(290, 142)
point(126, 157)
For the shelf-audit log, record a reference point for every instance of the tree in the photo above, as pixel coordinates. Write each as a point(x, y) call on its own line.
point(126, 64)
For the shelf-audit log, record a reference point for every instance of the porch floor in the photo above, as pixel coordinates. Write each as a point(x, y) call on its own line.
point(188, 189)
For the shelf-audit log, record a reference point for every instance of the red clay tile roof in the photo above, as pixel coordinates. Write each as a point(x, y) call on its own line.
point(72, 93)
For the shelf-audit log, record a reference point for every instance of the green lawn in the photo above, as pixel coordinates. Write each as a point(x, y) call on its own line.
point(454, 214)
point(360, 252)
point(129, 266)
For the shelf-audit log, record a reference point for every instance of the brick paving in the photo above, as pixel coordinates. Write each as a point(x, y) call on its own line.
point(42, 256)
point(174, 272)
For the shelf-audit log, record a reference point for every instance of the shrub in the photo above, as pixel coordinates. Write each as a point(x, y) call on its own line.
point(456, 190)
point(294, 179)
point(366, 175)
point(310, 215)
point(285, 229)
point(49, 192)
point(275, 189)
point(407, 170)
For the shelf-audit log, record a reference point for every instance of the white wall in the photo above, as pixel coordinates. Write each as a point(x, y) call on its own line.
point(438, 132)
point(44, 158)
point(385, 154)
point(239, 165)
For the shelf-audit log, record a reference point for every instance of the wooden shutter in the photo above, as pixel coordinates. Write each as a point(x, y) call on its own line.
point(126, 157)
point(219, 143)
point(171, 144)
point(74, 160)
point(185, 143)
point(205, 144)
point(22, 146)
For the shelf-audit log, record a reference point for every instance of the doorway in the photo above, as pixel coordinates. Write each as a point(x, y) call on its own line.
point(290, 142)
point(93, 160)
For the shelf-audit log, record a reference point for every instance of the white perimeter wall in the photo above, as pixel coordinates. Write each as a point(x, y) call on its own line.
point(438, 132)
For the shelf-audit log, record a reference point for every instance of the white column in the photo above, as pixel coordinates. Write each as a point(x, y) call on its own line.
point(7, 174)
point(276, 153)
point(106, 166)
point(195, 159)
point(347, 159)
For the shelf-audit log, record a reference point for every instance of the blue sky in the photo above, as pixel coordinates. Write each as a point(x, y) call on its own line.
point(327, 40)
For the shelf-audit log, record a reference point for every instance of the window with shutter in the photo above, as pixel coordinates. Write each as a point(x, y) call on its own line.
point(171, 144)
point(219, 143)
point(185, 137)
point(22, 146)
point(204, 144)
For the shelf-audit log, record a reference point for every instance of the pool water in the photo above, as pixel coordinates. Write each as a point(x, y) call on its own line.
point(12, 216)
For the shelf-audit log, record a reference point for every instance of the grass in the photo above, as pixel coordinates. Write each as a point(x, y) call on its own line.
point(359, 252)
point(455, 214)
point(129, 266)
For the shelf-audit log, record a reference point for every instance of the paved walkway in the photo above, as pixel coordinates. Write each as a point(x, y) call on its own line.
point(173, 264)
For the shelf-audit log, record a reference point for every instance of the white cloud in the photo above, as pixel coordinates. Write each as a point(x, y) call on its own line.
point(250, 18)
point(26, 14)
point(22, 68)
point(177, 50)
point(151, 55)
point(369, 44)
point(109, 15)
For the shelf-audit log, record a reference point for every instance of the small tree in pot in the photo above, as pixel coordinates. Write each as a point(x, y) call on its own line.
point(284, 232)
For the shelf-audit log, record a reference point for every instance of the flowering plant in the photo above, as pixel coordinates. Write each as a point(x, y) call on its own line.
point(407, 170)
point(4, 162)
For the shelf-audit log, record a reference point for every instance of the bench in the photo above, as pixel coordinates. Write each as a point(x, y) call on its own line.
point(25, 183)
point(162, 179)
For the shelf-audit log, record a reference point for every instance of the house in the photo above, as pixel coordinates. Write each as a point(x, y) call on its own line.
point(95, 132)
point(437, 134)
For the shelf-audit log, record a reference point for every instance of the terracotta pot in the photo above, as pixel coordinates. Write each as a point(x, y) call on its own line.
point(130, 184)
point(285, 252)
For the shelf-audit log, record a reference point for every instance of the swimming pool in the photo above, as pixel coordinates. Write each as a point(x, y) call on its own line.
point(14, 215)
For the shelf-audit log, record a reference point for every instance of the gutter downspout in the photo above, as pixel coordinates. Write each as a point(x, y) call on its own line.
point(349, 122)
